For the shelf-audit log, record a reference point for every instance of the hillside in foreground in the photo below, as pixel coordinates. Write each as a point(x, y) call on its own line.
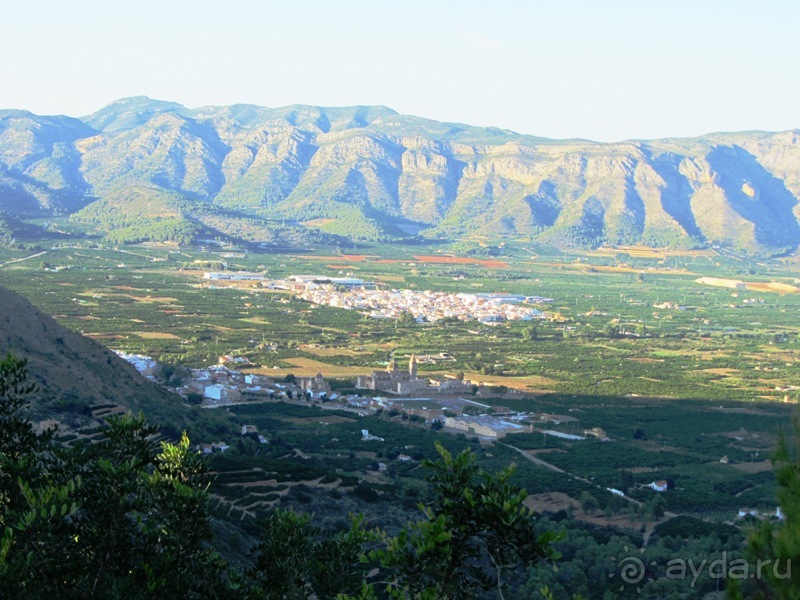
point(75, 374)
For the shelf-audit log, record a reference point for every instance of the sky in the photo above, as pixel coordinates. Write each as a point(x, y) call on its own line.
point(604, 70)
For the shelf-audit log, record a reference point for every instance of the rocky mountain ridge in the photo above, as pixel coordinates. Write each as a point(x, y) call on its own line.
point(369, 172)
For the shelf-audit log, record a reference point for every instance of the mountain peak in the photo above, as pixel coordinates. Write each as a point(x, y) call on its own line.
point(127, 113)
point(368, 171)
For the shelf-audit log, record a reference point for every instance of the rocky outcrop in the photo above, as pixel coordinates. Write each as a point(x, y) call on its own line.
point(367, 171)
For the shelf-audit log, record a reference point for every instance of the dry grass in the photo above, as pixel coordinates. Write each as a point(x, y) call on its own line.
point(598, 268)
point(526, 383)
point(331, 351)
point(647, 252)
point(753, 467)
point(725, 372)
point(152, 299)
point(155, 335)
point(310, 367)
point(256, 321)
point(551, 502)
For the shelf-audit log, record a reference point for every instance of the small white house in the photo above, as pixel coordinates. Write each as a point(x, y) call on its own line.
point(658, 486)
point(216, 392)
point(366, 436)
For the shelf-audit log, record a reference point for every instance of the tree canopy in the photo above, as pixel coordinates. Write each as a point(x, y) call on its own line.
point(128, 517)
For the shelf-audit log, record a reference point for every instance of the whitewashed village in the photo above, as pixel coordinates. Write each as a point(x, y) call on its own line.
point(443, 402)
point(378, 302)
point(447, 404)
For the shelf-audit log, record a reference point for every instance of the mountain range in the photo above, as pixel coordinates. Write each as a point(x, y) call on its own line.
point(149, 169)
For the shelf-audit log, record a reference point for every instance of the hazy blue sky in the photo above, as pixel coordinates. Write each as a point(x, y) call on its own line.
point(605, 70)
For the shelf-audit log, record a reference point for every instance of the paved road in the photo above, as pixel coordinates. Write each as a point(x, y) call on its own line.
point(16, 260)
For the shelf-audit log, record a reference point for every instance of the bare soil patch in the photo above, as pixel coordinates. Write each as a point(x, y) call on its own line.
point(753, 467)
point(524, 382)
point(330, 351)
point(307, 366)
point(155, 335)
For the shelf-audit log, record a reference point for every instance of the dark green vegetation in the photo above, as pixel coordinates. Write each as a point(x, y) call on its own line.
point(142, 169)
point(720, 344)
point(119, 518)
point(653, 379)
point(779, 543)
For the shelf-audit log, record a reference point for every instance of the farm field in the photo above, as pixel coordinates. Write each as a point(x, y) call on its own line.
point(690, 383)
point(651, 331)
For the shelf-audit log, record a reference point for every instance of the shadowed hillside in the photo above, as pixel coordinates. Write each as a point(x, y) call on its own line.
point(74, 372)
point(370, 173)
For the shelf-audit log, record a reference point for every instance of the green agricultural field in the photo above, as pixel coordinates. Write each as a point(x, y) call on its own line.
point(646, 328)
point(679, 375)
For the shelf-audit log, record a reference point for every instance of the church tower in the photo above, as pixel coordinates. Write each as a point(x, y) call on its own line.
point(412, 366)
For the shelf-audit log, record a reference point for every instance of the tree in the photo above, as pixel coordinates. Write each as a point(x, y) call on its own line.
point(659, 506)
point(124, 517)
point(530, 333)
point(476, 530)
point(128, 517)
point(296, 559)
point(17, 438)
point(777, 544)
point(406, 319)
point(589, 503)
point(35, 513)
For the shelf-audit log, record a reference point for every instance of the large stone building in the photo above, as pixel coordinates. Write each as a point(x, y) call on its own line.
point(393, 380)
point(316, 385)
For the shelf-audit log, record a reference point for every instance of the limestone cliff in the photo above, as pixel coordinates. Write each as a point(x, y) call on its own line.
point(370, 172)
